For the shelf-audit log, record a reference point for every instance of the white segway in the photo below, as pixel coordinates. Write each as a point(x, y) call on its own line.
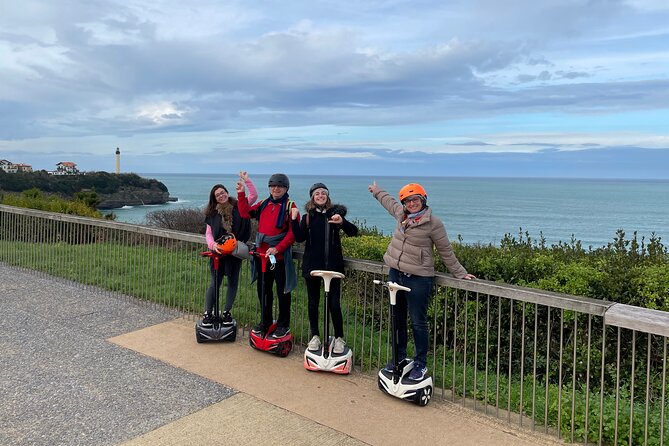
point(324, 359)
point(397, 382)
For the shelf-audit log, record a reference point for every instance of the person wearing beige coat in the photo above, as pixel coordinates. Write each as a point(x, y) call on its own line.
point(411, 261)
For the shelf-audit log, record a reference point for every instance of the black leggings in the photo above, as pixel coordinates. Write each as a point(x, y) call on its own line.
point(278, 275)
point(229, 266)
point(314, 295)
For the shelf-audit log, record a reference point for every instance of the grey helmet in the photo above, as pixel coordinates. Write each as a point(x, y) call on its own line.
point(318, 186)
point(279, 179)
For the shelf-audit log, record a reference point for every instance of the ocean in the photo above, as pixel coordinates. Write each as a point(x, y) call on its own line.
point(478, 210)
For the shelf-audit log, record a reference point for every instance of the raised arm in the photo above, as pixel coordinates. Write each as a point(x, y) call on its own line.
point(387, 201)
point(298, 225)
point(242, 203)
point(253, 193)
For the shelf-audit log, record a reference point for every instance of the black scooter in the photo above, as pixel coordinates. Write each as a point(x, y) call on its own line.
point(397, 383)
point(218, 331)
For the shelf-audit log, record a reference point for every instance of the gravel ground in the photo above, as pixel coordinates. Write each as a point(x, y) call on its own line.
point(62, 383)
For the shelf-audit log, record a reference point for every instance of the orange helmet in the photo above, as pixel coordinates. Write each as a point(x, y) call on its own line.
point(227, 244)
point(412, 189)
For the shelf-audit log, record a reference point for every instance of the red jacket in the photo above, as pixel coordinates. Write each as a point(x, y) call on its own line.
point(267, 222)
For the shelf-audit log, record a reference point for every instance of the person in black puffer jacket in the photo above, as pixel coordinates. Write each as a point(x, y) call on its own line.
point(321, 216)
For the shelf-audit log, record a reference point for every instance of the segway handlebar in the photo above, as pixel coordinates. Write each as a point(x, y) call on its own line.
point(393, 288)
point(264, 258)
point(327, 276)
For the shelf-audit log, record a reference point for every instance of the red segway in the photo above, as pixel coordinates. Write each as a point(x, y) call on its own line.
point(264, 341)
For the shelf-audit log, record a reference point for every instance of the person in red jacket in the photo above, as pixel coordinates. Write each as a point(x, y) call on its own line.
point(274, 238)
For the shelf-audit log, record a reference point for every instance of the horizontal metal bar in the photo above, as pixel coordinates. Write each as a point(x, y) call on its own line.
point(638, 319)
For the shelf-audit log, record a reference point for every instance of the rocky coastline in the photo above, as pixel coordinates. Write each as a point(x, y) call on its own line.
point(132, 196)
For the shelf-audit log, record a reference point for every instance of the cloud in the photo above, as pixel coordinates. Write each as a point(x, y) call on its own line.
point(189, 78)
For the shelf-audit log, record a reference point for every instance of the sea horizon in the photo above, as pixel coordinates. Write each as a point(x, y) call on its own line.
point(474, 209)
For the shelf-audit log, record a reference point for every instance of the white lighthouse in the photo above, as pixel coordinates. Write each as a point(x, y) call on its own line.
point(118, 161)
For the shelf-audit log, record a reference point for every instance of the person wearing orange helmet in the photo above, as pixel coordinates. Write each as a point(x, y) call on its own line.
point(222, 219)
point(410, 259)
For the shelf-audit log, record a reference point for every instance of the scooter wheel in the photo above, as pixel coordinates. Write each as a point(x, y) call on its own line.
point(198, 338)
point(284, 348)
point(423, 397)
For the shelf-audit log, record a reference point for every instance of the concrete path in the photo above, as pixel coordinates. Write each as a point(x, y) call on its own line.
point(78, 366)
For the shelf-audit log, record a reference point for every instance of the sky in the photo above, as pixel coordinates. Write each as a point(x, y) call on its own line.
point(556, 88)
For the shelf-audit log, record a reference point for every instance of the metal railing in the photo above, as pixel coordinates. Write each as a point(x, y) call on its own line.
point(582, 369)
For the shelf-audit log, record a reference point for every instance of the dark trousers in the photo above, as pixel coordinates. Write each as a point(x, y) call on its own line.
point(228, 266)
point(416, 301)
point(334, 297)
point(278, 275)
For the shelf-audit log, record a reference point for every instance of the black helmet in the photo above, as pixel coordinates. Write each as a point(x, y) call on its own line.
point(318, 186)
point(279, 179)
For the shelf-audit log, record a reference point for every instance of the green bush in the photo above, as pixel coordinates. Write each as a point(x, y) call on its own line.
point(35, 199)
point(367, 247)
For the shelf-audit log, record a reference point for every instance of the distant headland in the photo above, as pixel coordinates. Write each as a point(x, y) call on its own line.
point(113, 190)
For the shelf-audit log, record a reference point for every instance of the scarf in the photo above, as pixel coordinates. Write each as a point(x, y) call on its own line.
point(282, 212)
point(225, 210)
point(411, 218)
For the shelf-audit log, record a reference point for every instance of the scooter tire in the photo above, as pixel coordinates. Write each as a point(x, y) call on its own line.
point(423, 397)
point(198, 338)
point(284, 348)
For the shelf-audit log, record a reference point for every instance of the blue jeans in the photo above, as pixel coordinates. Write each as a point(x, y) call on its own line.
point(417, 301)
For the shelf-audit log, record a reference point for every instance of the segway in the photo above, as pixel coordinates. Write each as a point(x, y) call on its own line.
point(397, 382)
point(219, 331)
point(324, 359)
point(263, 341)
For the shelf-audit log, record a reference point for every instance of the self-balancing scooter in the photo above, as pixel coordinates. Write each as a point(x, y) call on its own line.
point(264, 341)
point(218, 331)
point(324, 359)
point(397, 383)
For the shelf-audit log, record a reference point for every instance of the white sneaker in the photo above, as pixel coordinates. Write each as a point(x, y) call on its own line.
point(315, 343)
point(339, 346)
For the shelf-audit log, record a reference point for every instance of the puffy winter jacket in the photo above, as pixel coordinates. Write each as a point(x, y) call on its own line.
point(312, 229)
point(410, 249)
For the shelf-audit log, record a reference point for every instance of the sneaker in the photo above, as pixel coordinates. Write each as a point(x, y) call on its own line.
point(227, 318)
point(418, 372)
point(339, 346)
point(315, 343)
point(389, 366)
point(207, 320)
point(280, 332)
point(258, 329)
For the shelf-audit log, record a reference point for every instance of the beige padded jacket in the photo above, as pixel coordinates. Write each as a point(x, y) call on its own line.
point(410, 251)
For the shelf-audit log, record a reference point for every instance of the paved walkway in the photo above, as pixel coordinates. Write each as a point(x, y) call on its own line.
point(78, 366)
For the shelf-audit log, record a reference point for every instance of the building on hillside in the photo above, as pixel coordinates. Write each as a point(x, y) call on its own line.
point(65, 168)
point(7, 166)
point(21, 167)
